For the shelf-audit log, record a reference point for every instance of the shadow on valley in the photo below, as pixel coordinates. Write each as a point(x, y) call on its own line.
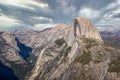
point(24, 51)
point(6, 73)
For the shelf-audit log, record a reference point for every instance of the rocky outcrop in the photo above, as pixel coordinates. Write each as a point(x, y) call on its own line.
point(8, 48)
point(10, 39)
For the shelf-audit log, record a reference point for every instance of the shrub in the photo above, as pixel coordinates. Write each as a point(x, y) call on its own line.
point(85, 58)
point(68, 49)
point(60, 42)
point(89, 42)
point(114, 66)
point(2, 43)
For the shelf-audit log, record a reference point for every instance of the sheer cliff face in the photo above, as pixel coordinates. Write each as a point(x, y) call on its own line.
point(83, 26)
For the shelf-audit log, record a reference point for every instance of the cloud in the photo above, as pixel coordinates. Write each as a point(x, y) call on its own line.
point(43, 19)
point(7, 21)
point(45, 13)
point(43, 26)
point(23, 3)
point(116, 15)
point(22, 14)
point(89, 13)
point(109, 16)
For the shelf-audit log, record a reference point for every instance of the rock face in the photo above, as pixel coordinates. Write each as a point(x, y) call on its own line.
point(64, 52)
point(83, 26)
point(10, 56)
point(8, 48)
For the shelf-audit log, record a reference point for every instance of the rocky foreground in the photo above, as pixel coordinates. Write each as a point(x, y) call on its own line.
point(64, 52)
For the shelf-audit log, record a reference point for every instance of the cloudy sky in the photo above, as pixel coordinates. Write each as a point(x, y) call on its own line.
point(40, 14)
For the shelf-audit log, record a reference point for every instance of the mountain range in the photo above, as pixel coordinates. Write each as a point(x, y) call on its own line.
point(63, 52)
point(111, 38)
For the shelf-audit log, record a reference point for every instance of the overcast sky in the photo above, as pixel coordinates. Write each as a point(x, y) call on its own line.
point(40, 14)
